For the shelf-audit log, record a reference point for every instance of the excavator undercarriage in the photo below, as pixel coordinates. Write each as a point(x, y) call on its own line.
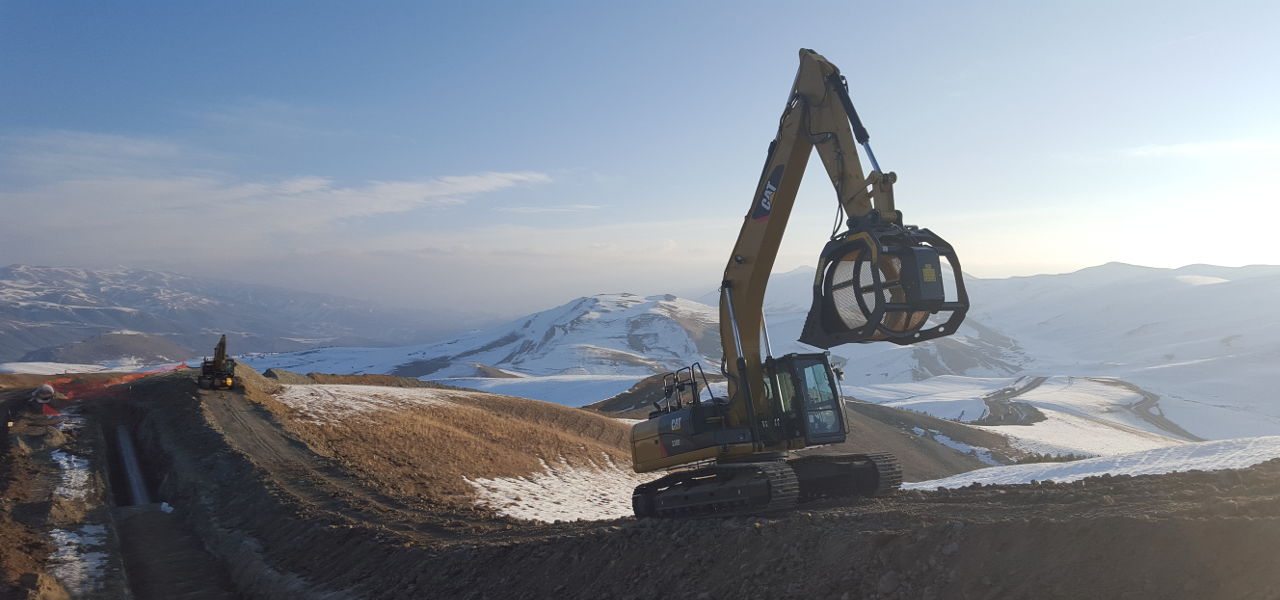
point(728, 489)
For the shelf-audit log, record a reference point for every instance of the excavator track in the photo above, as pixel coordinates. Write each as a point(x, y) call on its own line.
point(890, 473)
point(762, 487)
point(719, 490)
point(840, 475)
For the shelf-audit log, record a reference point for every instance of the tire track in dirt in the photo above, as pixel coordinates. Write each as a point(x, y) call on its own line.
point(306, 476)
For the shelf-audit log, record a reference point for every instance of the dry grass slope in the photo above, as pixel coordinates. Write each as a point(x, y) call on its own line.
point(424, 453)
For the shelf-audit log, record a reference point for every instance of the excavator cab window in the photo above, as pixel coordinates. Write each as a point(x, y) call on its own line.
point(822, 403)
point(811, 388)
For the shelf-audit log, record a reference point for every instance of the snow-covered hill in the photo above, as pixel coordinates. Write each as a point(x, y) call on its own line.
point(604, 335)
point(1202, 338)
point(47, 307)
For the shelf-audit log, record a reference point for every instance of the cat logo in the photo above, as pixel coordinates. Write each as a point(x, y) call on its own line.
point(764, 204)
point(675, 423)
point(929, 273)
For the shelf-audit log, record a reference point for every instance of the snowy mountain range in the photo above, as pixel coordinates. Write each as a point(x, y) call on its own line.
point(630, 335)
point(42, 308)
point(1198, 338)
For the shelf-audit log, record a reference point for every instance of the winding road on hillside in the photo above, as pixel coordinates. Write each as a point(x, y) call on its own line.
point(1148, 409)
point(1002, 410)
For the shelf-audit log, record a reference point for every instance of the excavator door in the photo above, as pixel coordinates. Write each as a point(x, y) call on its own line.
point(806, 390)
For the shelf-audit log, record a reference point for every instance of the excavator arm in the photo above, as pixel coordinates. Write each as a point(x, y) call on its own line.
point(820, 115)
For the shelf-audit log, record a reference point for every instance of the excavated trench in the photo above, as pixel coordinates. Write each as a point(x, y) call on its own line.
point(163, 558)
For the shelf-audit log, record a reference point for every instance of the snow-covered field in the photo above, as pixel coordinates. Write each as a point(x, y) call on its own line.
point(569, 390)
point(1083, 416)
point(1201, 456)
point(563, 493)
point(1064, 433)
point(48, 368)
point(950, 397)
point(334, 402)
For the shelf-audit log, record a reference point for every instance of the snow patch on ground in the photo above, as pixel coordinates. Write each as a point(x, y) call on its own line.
point(79, 559)
point(333, 402)
point(73, 476)
point(562, 492)
point(48, 368)
point(1201, 456)
point(982, 454)
point(1064, 433)
point(1200, 279)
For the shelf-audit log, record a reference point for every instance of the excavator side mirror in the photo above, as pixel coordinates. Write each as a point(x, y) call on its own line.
point(880, 281)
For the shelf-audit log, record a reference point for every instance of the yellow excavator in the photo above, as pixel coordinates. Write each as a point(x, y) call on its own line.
point(218, 373)
point(878, 280)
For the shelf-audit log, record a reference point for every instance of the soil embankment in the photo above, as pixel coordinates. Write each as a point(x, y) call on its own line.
point(286, 521)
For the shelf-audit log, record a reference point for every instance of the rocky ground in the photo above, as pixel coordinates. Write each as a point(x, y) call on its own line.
point(273, 519)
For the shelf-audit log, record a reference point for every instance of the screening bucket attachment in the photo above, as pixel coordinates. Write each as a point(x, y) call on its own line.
point(881, 281)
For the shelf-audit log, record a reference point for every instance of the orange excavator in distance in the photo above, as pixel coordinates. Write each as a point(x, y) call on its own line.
point(878, 280)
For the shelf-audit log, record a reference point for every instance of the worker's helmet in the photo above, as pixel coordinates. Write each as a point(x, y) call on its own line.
point(43, 394)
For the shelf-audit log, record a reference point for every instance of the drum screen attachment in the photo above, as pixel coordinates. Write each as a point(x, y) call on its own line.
point(885, 282)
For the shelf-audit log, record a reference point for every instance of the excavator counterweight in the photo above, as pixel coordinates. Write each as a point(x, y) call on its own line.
point(879, 280)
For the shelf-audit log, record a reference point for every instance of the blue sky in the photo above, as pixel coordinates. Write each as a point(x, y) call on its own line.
point(505, 157)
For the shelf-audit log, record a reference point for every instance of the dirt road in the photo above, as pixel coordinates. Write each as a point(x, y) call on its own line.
point(1148, 409)
point(1003, 410)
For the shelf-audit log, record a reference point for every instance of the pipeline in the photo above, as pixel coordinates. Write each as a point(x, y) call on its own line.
point(132, 469)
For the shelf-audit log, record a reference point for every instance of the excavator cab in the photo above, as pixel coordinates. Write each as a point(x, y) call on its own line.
point(803, 389)
point(880, 281)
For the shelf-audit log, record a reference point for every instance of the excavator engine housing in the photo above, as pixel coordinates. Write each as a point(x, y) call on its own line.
point(880, 281)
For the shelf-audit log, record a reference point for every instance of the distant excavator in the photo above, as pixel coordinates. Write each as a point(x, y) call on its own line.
point(878, 280)
point(218, 373)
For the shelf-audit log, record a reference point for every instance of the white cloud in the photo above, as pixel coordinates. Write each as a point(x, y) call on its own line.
point(556, 208)
point(100, 197)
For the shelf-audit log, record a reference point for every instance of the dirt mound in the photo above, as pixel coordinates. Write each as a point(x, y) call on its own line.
point(23, 550)
point(283, 377)
point(287, 377)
